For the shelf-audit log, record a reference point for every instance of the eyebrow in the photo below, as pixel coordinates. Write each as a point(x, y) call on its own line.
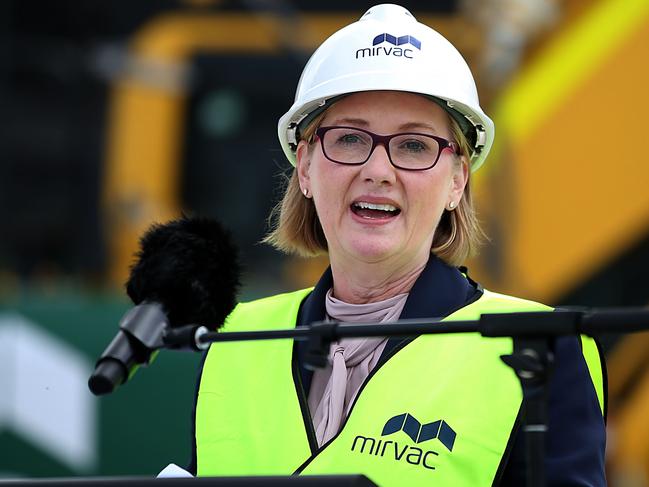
point(364, 123)
point(418, 125)
point(351, 121)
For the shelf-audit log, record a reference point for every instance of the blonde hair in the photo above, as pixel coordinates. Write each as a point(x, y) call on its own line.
point(296, 229)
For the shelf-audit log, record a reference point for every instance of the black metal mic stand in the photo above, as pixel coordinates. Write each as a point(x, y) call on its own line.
point(533, 334)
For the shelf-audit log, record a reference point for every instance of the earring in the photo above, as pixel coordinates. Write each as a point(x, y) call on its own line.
point(451, 205)
point(306, 192)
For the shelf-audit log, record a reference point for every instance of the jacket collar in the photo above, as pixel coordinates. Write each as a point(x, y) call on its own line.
point(438, 291)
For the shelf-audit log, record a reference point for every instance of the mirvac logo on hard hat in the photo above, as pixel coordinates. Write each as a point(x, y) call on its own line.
point(398, 48)
point(417, 432)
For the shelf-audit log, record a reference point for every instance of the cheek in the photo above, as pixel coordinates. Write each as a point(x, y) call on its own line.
point(329, 186)
point(428, 202)
point(430, 194)
point(330, 180)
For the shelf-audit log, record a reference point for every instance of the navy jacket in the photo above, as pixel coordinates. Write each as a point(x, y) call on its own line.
point(576, 432)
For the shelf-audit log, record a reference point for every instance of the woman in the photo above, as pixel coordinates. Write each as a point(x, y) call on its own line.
point(384, 133)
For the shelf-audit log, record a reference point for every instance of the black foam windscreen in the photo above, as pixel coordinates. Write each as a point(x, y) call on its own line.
point(191, 267)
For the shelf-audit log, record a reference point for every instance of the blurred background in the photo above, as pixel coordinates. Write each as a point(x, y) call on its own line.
point(119, 114)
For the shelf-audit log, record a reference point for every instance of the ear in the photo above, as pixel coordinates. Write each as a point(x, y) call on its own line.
point(459, 180)
point(302, 165)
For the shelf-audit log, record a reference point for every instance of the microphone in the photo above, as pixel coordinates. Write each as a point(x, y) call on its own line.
point(187, 273)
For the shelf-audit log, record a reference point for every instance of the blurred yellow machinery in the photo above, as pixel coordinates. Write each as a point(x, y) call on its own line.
point(628, 427)
point(565, 190)
point(565, 194)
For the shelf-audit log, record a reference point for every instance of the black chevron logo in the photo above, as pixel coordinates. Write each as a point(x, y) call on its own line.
point(421, 432)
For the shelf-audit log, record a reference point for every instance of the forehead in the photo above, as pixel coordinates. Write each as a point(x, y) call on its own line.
point(388, 109)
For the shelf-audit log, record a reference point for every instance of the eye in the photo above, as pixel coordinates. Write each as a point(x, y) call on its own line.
point(413, 145)
point(351, 138)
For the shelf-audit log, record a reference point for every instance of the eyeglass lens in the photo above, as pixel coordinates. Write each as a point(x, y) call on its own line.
point(408, 151)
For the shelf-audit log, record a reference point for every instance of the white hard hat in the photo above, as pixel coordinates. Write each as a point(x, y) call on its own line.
point(387, 49)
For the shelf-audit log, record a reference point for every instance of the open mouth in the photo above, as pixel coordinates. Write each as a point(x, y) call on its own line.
point(374, 211)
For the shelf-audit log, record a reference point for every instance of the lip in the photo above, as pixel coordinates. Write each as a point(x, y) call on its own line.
point(377, 200)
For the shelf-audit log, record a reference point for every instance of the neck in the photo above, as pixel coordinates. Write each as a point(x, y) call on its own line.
point(360, 283)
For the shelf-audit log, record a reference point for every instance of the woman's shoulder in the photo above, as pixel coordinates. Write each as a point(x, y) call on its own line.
point(491, 302)
point(579, 355)
point(246, 315)
point(512, 301)
point(276, 298)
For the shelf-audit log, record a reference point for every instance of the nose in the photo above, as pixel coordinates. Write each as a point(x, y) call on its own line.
point(378, 169)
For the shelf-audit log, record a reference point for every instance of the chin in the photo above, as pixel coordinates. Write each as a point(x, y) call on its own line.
point(373, 250)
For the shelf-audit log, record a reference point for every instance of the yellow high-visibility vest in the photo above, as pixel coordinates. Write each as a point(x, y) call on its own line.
point(440, 411)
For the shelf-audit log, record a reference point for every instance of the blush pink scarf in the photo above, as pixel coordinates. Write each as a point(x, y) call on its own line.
point(334, 387)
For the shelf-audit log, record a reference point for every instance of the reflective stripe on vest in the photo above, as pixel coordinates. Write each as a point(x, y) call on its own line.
point(593, 361)
point(440, 410)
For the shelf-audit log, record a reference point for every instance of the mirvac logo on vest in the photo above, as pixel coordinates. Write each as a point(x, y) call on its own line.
point(403, 451)
point(396, 46)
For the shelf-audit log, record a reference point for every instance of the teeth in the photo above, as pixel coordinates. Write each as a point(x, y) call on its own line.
point(374, 206)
